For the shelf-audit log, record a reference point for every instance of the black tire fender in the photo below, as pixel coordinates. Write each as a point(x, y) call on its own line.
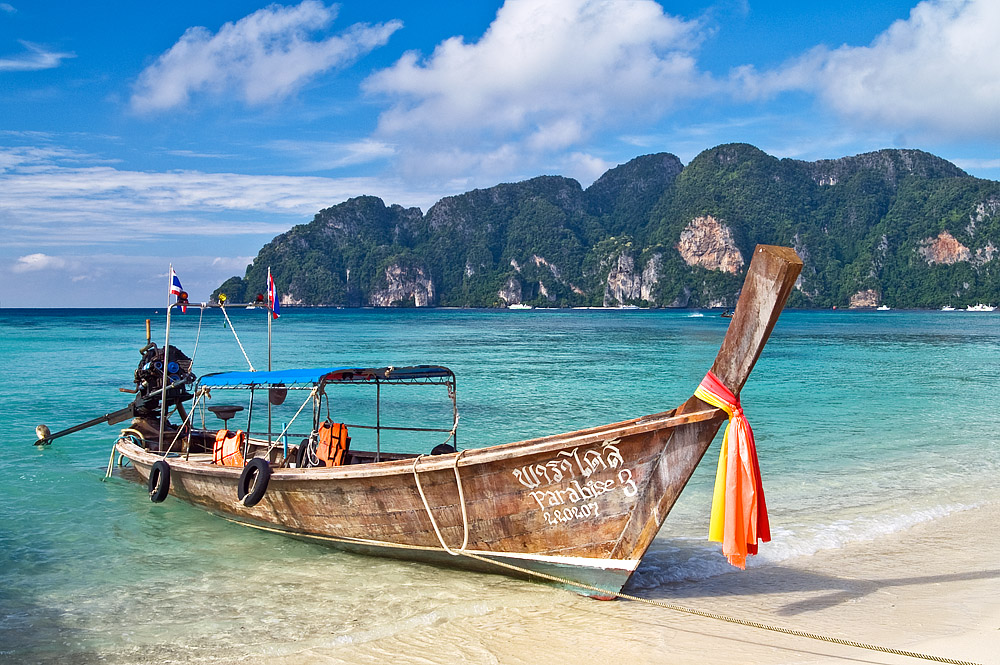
point(159, 481)
point(301, 456)
point(253, 482)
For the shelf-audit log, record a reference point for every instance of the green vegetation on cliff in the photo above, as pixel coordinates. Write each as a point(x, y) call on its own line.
point(908, 227)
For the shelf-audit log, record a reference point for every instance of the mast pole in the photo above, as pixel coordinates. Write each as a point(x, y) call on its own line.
point(166, 359)
point(270, 315)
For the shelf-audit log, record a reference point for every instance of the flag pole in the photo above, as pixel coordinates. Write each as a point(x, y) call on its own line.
point(166, 359)
point(270, 315)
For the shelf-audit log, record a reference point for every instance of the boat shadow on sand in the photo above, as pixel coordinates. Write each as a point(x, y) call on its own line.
point(777, 579)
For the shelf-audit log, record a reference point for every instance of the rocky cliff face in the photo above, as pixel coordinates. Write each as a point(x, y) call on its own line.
point(510, 294)
point(403, 286)
point(627, 285)
point(864, 299)
point(623, 283)
point(709, 243)
point(943, 249)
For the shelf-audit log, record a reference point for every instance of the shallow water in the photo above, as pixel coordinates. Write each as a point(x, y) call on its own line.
point(866, 423)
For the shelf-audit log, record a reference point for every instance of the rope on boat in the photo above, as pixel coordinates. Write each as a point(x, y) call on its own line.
point(461, 499)
point(656, 603)
point(233, 328)
point(197, 338)
point(128, 431)
point(180, 429)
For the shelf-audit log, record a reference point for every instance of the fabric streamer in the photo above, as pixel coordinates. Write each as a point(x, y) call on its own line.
point(739, 515)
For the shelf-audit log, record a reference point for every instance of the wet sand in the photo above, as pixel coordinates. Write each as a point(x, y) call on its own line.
point(934, 589)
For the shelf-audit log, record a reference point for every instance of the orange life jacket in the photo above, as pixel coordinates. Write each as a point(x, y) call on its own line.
point(228, 449)
point(333, 443)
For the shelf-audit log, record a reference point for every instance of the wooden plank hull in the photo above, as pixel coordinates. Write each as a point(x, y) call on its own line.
point(558, 505)
point(582, 506)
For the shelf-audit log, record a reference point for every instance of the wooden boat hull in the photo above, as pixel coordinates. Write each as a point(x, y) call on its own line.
point(582, 506)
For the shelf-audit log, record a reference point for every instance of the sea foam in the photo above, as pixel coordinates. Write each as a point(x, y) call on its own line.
point(690, 559)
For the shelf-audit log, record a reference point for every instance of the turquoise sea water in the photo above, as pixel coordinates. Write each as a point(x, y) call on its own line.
point(866, 423)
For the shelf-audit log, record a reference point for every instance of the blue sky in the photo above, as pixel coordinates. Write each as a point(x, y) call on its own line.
point(133, 135)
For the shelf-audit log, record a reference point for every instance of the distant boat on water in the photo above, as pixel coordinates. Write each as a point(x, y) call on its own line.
point(947, 308)
point(883, 308)
point(980, 308)
point(519, 305)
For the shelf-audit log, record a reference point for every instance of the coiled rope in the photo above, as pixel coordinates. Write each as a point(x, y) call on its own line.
point(656, 603)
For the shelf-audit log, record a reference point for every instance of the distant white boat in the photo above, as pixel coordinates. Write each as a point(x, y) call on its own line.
point(947, 308)
point(519, 305)
point(629, 307)
point(980, 308)
point(883, 308)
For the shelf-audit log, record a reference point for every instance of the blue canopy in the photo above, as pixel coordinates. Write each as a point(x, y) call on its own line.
point(289, 377)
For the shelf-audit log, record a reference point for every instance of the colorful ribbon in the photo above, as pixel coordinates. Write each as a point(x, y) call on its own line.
point(739, 515)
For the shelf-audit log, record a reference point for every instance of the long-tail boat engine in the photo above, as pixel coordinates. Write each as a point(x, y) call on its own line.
point(149, 380)
point(145, 409)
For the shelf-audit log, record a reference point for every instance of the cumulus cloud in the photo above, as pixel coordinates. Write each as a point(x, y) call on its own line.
point(34, 262)
point(7, 9)
point(37, 57)
point(936, 72)
point(263, 57)
point(544, 77)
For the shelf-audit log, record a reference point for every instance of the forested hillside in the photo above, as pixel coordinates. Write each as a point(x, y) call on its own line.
point(900, 227)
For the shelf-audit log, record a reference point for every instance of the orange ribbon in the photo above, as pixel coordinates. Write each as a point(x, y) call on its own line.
point(739, 515)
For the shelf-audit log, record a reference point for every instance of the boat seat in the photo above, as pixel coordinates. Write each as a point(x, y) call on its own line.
point(224, 412)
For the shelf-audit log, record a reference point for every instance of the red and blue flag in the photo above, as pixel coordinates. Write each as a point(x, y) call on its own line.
point(272, 296)
point(176, 289)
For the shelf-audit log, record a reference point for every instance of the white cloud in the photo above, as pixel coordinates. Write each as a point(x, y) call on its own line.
point(585, 168)
point(122, 279)
point(46, 203)
point(37, 58)
point(232, 263)
point(936, 72)
point(974, 163)
point(33, 262)
point(544, 77)
point(324, 155)
point(263, 57)
point(6, 8)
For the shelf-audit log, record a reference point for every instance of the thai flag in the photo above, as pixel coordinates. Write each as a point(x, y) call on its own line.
point(175, 283)
point(272, 296)
point(176, 288)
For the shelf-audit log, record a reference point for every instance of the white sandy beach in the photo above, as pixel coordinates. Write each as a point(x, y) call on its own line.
point(932, 589)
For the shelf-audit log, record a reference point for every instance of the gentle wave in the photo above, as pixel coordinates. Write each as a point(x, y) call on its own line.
point(690, 559)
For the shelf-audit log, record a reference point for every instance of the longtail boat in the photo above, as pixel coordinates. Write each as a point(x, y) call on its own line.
point(581, 507)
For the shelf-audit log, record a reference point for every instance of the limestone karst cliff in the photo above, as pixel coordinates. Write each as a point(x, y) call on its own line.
point(894, 226)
